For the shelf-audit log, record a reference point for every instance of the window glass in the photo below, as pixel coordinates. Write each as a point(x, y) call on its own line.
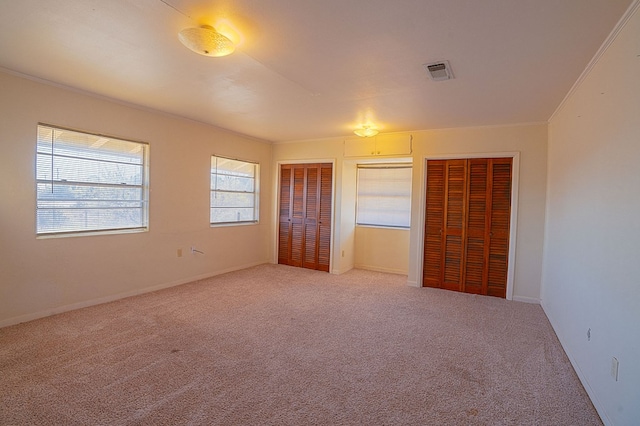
point(88, 183)
point(234, 191)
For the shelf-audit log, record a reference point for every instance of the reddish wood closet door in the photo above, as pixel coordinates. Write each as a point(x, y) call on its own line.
point(468, 208)
point(434, 224)
point(304, 233)
point(499, 223)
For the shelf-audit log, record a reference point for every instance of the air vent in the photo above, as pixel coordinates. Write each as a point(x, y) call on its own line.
point(439, 71)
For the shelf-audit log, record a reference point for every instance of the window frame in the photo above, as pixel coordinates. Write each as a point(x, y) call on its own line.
point(143, 186)
point(386, 165)
point(255, 193)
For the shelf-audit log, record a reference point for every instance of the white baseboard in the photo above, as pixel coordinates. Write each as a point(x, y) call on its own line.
point(524, 299)
point(379, 269)
point(100, 300)
point(341, 271)
point(583, 379)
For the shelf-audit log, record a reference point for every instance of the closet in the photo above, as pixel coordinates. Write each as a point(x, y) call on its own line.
point(468, 210)
point(304, 230)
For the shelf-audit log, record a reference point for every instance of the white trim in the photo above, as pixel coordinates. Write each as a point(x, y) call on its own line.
point(596, 58)
point(340, 271)
point(276, 207)
point(106, 299)
point(525, 299)
point(412, 283)
point(600, 408)
point(515, 183)
point(379, 269)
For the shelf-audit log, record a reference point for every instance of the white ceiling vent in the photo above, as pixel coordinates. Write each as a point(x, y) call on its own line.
point(439, 71)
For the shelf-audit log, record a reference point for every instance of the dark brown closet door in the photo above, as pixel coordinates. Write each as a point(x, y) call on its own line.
point(434, 224)
point(297, 216)
point(284, 223)
point(499, 226)
point(311, 207)
point(324, 223)
point(467, 225)
point(475, 275)
point(454, 221)
point(305, 215)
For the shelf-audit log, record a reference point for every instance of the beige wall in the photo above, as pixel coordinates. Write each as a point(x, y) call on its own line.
point(343, 221)
point(382, 249)
point(42, 276)
point(592, 242)
point(529, 141)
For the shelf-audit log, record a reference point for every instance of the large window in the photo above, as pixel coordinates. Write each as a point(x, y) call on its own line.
point(384, 195)
point(234, 191)
point(89, 183)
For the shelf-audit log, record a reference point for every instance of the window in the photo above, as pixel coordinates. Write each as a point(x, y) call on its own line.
point(88, 183)
point(234, 191)
point(384, 195)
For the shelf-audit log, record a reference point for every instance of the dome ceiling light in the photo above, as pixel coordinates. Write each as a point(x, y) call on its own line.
point(366, 131)
point(205, 40)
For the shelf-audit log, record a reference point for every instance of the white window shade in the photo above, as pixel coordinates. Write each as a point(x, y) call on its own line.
point(384, 196)
point(89, 183)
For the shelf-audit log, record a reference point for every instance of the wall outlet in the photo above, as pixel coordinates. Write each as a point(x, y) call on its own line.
point(614, 368)
point(588, 335)
point(179, 252)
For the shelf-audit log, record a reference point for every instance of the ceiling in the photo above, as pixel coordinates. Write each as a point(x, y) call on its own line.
point(309, 69)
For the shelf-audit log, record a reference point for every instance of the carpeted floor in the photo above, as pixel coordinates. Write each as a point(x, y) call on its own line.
point(276, 345)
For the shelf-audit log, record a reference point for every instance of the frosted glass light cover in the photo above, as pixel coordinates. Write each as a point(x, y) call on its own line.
point(366, 132)
point(205, 40)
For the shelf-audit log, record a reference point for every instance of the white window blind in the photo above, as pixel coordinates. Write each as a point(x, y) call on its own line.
point(234, 191)
point(88, 183)
point(384, 195)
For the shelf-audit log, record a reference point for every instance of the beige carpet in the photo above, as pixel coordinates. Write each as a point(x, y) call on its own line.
point(276, 345)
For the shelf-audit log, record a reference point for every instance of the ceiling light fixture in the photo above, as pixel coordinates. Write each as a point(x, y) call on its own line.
point(206, 41)
point(366, 131)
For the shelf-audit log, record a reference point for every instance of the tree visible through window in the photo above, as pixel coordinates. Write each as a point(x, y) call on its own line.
point(88, 183)
point(384, 195)
point(234, 191)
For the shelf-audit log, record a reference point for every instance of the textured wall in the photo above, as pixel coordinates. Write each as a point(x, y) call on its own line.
point(592, 244)
point(41, 276)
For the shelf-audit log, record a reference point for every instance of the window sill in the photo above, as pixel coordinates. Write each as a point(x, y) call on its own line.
point(399, 228)
point(90, 233)
point(225, 224)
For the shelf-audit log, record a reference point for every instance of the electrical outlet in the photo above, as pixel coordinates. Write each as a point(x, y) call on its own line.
point(614, 368)
point(179, 252)
point(588, 335)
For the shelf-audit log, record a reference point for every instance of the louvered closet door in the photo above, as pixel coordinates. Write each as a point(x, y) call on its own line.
point(475, 271)
point(297, 217)
point(324, 224)
point(500, 217)
point(305, 220)
point(311, 207)
point(284, 223)
point(454, 220)
point(434, 224)
point(468, 208)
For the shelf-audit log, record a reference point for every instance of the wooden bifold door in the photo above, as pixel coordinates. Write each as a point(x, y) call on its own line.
point(304, 231)
point(468, 210)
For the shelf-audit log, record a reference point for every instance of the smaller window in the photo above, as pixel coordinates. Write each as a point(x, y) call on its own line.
point(384, 195)
point(89, 183)
point(234, 191)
